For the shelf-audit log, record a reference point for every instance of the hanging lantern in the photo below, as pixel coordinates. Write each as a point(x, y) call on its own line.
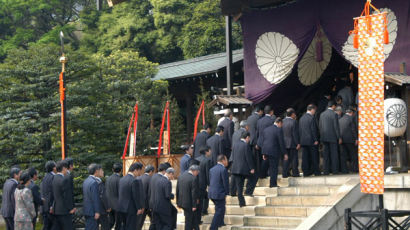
point(395, 117)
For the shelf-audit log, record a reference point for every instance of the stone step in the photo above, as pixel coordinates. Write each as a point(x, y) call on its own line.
point(307, 190)
point(258, 228)
point(318, 180)
point(284, 211)
point(270, 221)
point(229, 219)
point(282, 182)
point(235, 210)
point(297, 200)
point(251, 201)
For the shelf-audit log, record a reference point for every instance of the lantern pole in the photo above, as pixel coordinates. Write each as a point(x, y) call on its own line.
point(63, 61)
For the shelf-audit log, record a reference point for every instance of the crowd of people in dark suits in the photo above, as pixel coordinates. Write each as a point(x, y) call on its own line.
point(212, 168)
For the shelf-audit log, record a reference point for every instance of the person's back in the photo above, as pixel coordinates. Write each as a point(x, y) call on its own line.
point(253, 123)
point(47, 191)
point(329, 126)
point(25, 211)
point(218, 182)
point(125, 198)
point(237, 136)
point(62, 195)
point(112, 187)
point(91, 200)
point(8, 201)
point(347, 129)
point(200, 142)
point(307, 130)
point(263, 123)
point(290, 132)
point(242, 161)
point(186, 192)
point(228, 125)
point(216, 145)
point(347, 96)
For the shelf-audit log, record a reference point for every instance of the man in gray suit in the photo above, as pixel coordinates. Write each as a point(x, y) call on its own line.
point(291, 135)
point(201, 138)
point(347, 94)
point(263, 123)
point(112, 186)
point(8, 204)
point(348, 133)
point(228, 125)
point(330, 137)
point(238, 133)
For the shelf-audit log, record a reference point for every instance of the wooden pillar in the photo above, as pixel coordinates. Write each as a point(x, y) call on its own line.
point(189, 116)
point(228, 37)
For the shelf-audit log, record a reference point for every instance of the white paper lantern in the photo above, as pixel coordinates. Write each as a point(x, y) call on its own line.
point(275, 55)
point(351, 54)
point(395, 117)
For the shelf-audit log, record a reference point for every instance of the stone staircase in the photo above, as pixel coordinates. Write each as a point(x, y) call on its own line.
point(285, 207)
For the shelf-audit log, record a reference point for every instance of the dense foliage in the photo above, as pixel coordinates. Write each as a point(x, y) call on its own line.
point(112, 57)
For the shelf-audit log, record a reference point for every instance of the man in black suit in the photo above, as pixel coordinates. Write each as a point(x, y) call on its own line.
point(203, 179)
point(273, 148)
point(348, 133)
point(145, 180)
point(262, 124)
point(257, 157)
point(186, 159)
point(8, 204)
point(309, 142)
point(163, 210)
point(63, 206)
point(242, 165)
point(111, 190)
point(330, 137)
point(70, 175)
point(187, 194)
point(218, 190)
point(47, 194)
point(291, 135)
point(35, 191)
point(152, 191)
point(104, 220)
point(228, 125)
point(201, 138)
point(131, 198)
point(216, 143)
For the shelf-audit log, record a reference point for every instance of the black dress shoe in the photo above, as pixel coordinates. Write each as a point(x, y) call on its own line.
point(251, 195)
point(274, 186)
point(296, 176)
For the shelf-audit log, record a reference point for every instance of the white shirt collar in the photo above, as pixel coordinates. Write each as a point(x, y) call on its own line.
point(130, 173)
point(330, 108)
point(96, 178)
point(60, 174)
point(217, 134)
point(268, 115)
point(53, 173)
point(221, 164)
point(243, 140)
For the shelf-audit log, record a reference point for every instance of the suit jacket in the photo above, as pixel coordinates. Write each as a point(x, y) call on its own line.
point(184, 164)
point(25, 211)
point(263, 123)
point(163, 196)
point(237, 136)
point(63, 195)
point(273, 143)
point(47, 192)
point(145, 180)
point(8, 203)
point(253, 129)
point(35, 191)
point(229, 128)
point(308, 130)
point(187, 191)
point(242, 159)
point(219, 182)
point(348, 129)
point(322, 105)
point(329, 126)
point(91, 197)
point(111, 189)
point(200, 143)
point(70, 178)
point(216, 143)
point(130, 197)
point(152, 189)
point(103, 198)
point(205, 165)
point(290, 132)
point(347, 96)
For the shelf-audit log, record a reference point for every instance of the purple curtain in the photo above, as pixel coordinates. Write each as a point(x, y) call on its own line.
point(299, 21)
